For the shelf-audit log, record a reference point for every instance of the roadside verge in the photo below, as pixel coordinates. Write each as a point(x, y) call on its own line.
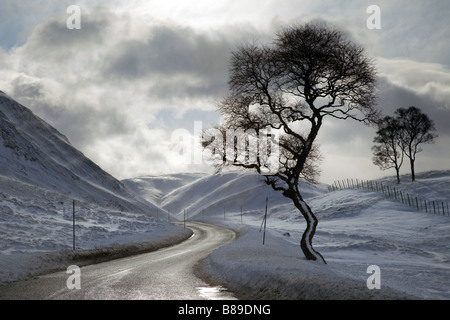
point(31, 265)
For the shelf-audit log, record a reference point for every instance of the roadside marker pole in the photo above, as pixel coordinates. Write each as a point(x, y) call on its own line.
point(241, 214)
point(73, 218)
point(265, 221)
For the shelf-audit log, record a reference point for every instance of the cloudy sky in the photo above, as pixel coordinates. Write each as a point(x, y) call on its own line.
point(139, 71)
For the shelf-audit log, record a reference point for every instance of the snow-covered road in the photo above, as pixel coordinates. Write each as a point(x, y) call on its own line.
point(164, 274)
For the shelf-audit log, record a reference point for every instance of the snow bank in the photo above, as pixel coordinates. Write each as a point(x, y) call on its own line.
point(276, 270)
point(23, 265)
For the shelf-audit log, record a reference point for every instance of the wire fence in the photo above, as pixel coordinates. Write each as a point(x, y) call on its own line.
point(414, 201)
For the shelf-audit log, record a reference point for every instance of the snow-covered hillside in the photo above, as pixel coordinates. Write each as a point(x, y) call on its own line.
point(228, 191)
point(33, 152)
point(41, 174)
point(154, 188)
point(356, 229)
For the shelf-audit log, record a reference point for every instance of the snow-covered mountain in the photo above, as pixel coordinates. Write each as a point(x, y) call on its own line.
point(35, 153)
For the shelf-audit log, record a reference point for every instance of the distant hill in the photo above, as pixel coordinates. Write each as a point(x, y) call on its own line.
point(153, 188)
point(213, 193)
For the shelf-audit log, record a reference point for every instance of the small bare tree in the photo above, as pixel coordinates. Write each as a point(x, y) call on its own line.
point(279, 95)
point(387, 151)
point(416, 128)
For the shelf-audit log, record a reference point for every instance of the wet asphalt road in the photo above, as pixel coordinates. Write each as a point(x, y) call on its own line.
point(166, 274)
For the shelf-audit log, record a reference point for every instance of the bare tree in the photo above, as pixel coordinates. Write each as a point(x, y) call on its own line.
point(387, 152)
point(281, 93)
point(416, 128)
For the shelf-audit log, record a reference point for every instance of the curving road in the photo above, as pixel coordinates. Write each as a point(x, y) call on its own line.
point(166, 274)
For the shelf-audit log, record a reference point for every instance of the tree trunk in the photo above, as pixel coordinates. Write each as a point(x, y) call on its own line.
point(397, 169)
point(413, 174)
point(311, 225)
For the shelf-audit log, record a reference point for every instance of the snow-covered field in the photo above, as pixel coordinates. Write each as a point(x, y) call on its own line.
point(356, 229)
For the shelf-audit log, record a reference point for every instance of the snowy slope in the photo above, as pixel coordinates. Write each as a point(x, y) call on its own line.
point(33, 152)
point(154, 188)
point(356, 229)
point(227, 191)
point(41, 175)
point(431, 185)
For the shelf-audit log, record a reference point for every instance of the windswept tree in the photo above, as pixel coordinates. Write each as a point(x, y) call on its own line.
point(387, 151)
point(416, 128)
point(279, 96)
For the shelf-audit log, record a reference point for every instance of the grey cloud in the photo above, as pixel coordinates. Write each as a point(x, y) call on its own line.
point(53, 42)
point(27, 91)
point(18, 18)
point(413, 29)
point(416, 29)
point(170, 50)
point(173, 89)
point(392, 97)
point(79, 120)
point(353, 138)
point(175, 62)
point(116, 76)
